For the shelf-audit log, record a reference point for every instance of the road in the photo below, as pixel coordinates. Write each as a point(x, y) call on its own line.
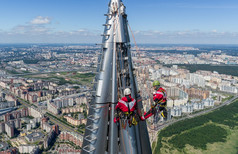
point(153, 133)
point(62, 125)
point(24, 103)
point(82, 68)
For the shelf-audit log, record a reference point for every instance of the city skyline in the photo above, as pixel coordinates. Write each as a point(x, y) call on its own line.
point(156, 22)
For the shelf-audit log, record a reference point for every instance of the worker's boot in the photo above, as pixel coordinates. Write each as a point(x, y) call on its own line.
point(164, 114)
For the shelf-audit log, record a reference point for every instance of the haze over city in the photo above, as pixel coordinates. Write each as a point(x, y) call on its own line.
point(152, 21)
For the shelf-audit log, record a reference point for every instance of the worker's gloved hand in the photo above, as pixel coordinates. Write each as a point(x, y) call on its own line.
point(116, 119)
point(144, 113)
point(117, 124)
point(142, 118)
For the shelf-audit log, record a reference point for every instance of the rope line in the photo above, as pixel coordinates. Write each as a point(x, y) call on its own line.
point(140, 64)
point(138, 52)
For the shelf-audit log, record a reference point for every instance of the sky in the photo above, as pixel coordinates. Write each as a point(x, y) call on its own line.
point(152, 21)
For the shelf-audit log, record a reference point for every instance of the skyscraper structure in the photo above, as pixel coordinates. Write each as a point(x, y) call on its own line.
point(115, 73)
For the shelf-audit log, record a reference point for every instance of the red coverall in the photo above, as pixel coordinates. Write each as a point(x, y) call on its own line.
point(124, 104)
point(159, 97)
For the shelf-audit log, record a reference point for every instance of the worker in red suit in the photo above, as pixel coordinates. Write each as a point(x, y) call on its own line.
point(160, 99)
point(127, 106)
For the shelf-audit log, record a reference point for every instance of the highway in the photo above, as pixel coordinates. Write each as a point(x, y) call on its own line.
point(6, 110)
point(153, 133)
point(24, 103)
point(40, 73)
point(62, 125)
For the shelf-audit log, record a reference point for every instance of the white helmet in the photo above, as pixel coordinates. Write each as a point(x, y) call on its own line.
point(127, 91)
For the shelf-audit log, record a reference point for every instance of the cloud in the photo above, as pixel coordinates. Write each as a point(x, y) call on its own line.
point(187, 37)
point(33, 29)
point(41, 34)
point(37, 26)
point(40, 20)
point(214, 31)
point(38, 31)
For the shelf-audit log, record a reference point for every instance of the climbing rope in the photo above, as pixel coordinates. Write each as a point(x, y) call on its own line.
point(138, 52)
point(147, 90)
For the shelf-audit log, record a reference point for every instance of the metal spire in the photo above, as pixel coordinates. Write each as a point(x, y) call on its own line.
point(115, 73)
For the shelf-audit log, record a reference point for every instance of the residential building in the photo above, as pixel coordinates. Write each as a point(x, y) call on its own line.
point(2, 127)
point(196, 79)
point(10, 151)
point(187, 108)
point(176, 97)
point(176, 111)
point(16, 114)
point(56, 129)
point(72, 109)
point(69, 150)
point(9, 128)
point(71, 136)
point(208, 102)
point(72, 120)
point(8, 104)
point(48, 138)
point(35, 112)
point(31, 149)
point(197, 93)
point(52, 108)
point(46, 126)
point(198, 106)
point(229, 89)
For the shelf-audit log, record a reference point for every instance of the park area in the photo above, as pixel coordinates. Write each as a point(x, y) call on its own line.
point(215, 132)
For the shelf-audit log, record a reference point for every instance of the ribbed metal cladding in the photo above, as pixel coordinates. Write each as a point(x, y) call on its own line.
point(115, 73)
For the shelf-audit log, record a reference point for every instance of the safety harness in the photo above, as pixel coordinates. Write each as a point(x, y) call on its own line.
point(162, 104)
point(158, 103)
point(128, 117)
